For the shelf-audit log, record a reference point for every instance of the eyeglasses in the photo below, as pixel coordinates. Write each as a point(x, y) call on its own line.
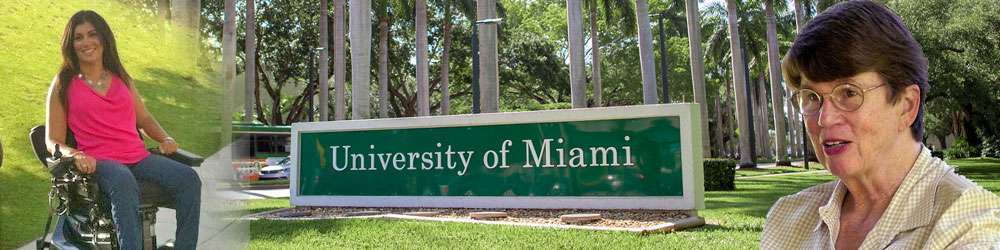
point(847, 97)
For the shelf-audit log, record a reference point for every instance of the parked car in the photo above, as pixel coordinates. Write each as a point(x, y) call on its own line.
point(277, 167)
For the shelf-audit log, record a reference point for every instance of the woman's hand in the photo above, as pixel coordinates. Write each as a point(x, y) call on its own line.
point(168, 146)
point(84, 162)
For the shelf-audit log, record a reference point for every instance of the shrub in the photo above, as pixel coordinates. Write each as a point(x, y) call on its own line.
point(720, 174)
point(991, 147)
point(960, 149)
point(938, 154)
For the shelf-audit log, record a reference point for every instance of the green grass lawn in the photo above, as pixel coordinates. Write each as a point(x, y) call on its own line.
point(735, 220)
point(274, 182)
point(773, 170)
point(984, 171)
point(180, 93)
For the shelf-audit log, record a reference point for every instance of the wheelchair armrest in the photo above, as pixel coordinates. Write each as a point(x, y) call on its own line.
point(59, 166)
point(182, 156)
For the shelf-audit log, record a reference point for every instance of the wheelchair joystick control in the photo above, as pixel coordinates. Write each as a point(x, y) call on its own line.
point(57, 154)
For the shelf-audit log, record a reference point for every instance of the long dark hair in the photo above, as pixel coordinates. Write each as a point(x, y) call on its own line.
point(71, 64)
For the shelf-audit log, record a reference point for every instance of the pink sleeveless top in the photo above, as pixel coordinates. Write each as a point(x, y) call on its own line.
point(105, 126)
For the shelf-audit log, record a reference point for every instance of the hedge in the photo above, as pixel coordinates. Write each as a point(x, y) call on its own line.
point(720, 174)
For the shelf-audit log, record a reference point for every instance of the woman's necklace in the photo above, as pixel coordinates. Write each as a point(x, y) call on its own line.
point(99, 84)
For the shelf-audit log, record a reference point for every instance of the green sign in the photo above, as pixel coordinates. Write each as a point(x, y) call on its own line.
point(639, 156)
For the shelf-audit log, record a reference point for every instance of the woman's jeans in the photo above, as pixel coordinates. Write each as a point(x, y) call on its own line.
point(119, 184)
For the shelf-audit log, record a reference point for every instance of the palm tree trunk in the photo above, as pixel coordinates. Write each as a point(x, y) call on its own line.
point(578, 89)
point(697, 68)
point(646, 53)
point(445, 61)
point(361, 35)
point(796, 119)
point(595, 56)
point(163, 9)
point(339, 67)
point(250, 72)
point(764, 137)
point(228, 66)
point(489, 96)
point(777, 101)
point(423, 95)
point(383, 66)
point(719, 129)
point(324, 61)
point(739, 82)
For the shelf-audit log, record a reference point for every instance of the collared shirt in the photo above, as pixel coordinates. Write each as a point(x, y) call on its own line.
point(934, 208)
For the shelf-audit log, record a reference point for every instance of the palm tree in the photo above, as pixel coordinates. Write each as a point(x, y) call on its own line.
point(324, 57)
point(739, 82)
point(619, 11)
point(795, 121)
point(698, 70)
point(339, 67)
point(228, 64)
point(646, 53)
point(361, 30)
point(382, 12)
point(750, 21)
point(578, 90)
point(776, 86)
point(445, 60)
point(250, 73)
point(489, 97)
point(423, 95)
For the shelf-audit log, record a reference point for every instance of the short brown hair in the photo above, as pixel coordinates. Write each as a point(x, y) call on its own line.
point(855, 37)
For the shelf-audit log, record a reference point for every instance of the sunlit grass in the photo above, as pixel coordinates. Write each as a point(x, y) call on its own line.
point(181, 94)
point(735, 220)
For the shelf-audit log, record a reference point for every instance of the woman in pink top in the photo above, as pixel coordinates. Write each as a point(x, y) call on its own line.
point(95, 98)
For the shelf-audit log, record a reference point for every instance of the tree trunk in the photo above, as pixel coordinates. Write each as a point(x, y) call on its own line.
point(324, 60)
point(163, 9)
point(250, 72)
point(764, 137)
point(795, 118)
point(719, 129)
point(445, 61)
point(774, 70)
point(228, 68)
point(646, 53)
point(361, 36)
point(383, 66)
point(697, 67)
point(489, 97)
point(339, 67)
point(423, 95)
point(577, 83)
point(595, 56)
point(739, 83)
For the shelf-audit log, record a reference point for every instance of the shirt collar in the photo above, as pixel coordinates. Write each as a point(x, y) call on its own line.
point(909, 205)
point(915, 196)
point(829, 213)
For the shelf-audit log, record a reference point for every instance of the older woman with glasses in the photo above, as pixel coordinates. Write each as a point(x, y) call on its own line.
point(860, 82)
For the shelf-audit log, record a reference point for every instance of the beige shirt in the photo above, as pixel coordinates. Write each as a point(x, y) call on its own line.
point(934, 208)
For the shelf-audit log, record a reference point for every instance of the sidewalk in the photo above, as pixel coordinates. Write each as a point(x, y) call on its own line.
point(813, 168)
point(251, 194)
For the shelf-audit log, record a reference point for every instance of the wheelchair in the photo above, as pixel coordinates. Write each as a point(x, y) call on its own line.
point(83, 212)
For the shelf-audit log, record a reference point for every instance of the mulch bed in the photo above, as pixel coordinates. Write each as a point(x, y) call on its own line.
point(629, 220)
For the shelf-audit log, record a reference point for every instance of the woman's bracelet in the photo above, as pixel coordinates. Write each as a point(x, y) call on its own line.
point(169, 139)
